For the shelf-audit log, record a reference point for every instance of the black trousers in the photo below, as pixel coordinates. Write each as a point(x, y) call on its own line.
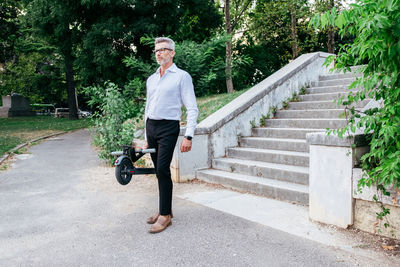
point(162, 135)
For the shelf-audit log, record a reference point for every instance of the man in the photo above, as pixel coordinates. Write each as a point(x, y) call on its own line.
point(167, 89)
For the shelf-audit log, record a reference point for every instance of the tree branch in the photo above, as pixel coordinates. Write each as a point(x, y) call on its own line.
point(235, 20)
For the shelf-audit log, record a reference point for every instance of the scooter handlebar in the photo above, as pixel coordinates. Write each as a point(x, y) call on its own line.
point(117, 153)
point(144, 151)
point(147, 150)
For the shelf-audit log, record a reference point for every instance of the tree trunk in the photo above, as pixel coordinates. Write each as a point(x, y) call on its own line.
point(72, 101)
point(228, 62)
point(331, 32)
point(295, 48)
point(331, 40)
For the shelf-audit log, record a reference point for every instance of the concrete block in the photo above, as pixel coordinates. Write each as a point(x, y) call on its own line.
point(299, 145)
point(267, 155)
point(294, 133)
point(329, 89)
point(339, 76)
point(367, 193)
point(365, 218)
point(323, 96)
point(266, 187)
point(306, 123)
point(287, 173)
point(344, 81)
point(331, 188)
point(312, 113)
point(184, 165)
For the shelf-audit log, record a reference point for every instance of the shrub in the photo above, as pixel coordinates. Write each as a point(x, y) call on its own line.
point(112, 129)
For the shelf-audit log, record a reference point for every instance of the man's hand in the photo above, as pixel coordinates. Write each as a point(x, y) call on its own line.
point(146, 145)
point(186, 145)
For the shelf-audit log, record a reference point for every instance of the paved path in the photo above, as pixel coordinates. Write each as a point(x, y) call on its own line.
point(59, 206)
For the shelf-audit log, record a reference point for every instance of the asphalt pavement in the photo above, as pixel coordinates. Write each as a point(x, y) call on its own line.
point(61, 206)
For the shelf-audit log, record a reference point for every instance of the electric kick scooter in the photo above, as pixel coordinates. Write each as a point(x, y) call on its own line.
point(124, 164)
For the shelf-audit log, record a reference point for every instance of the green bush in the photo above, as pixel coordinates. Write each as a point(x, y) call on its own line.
point(113, 126)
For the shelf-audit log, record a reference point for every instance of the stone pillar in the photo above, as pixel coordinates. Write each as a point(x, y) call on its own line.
point(332, 160)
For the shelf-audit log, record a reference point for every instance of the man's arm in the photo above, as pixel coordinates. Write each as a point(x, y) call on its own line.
point(189, 100)
point(145, 112)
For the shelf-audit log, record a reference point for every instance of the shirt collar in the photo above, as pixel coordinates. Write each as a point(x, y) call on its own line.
point(172, 68)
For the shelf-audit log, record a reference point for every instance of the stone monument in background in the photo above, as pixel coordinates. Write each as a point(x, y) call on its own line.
point(15, 105)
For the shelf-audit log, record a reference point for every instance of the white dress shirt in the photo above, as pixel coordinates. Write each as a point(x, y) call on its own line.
point(166, 94)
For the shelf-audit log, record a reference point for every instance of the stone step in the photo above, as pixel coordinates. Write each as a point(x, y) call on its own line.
point(344, 81)
point(328, 104)
point(336, 76)
point(287, 173)
point(322, 96)
point(312, 113)
point(292, 133)
point(267, 187)
point(299, 145)
point(330, 89)
point(306, 123)
point(270, 155)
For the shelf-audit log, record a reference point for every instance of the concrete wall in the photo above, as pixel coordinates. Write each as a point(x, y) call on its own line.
point(365, 209)
point(221, 130)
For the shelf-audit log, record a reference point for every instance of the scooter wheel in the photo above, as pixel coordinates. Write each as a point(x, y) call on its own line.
point(121, 171)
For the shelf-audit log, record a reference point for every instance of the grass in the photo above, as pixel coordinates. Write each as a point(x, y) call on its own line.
point(207, 105)
point(18, 130)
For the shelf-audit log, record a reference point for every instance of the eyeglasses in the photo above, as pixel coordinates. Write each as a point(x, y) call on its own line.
point(162, 50)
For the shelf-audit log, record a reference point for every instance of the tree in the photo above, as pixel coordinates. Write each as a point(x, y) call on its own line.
point(59, 21)
point(282, 26)
point(327, 6)
point(9, 10)
point(93, 37)
point(294, 5)
point(112, 28)
point(231, 24)
point(29, 65)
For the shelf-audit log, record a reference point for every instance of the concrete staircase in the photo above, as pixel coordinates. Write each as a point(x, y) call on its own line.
point(274, 160)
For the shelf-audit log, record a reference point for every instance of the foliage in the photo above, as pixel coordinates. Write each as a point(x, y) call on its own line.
point(34, 75)
point(112, 127)
point(303, 90)
point(199, 20)
point(262, 120)
point(273, 110)
point(91, 38)
point(253, 123)
point(295, 97)
point(270, 25)
point(206, 64)
point(285, 104)
point(114, 28)
point(375, 25)
point(9, 28)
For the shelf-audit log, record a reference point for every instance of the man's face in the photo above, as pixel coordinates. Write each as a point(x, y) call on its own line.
point(163, 55)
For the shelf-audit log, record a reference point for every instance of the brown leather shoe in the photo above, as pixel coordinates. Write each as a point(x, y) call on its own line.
point(154, 218)
point(161, 224)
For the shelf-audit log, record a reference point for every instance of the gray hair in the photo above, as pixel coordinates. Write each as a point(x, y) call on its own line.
point(170, 42)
